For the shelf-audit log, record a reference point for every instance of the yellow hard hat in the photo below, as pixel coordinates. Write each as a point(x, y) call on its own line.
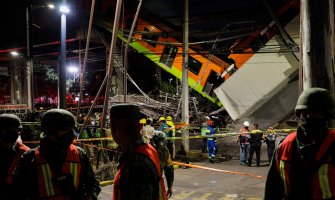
point(169, 118)
point(143, 121)
point(161, 119)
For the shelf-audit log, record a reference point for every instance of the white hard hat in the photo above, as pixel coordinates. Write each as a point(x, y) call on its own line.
point(246, 123)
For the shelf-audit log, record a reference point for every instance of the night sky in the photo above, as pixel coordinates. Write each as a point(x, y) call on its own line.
point(46, 23)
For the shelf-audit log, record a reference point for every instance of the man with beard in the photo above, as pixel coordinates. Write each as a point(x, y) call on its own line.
point(56, 169)
point(10, 152)
point(303, 165)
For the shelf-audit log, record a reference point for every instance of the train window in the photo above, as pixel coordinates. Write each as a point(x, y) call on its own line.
point(168, 55)
point(214, 80)
point(194, 65)
point(232, 71)
point(152, 38)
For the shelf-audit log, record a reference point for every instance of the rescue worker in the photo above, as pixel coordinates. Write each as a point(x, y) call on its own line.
point(270, 140)
point(212, 147)
point(139, 172)
point(172, 133)
point(56, 169)
point(256, 137)
point(162, 125)
point(204, 139)
point(165, 160)
point(143, 122)
point(86, 134)
point(168, 132)
point(303, 165)
point(10, 151)
point(243, 139)
point(148, 130)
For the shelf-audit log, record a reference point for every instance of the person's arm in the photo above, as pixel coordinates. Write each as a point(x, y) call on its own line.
point(274, 187)
point(89, 183)
point(139, 179)
point(26, 171)
point(169, 174)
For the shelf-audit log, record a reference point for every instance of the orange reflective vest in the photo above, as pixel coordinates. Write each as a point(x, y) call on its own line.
point(151, 152)
point(323, 179)
point(47, 188)
point(20, 149)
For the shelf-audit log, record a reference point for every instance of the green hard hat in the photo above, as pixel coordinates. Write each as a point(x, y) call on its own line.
point(316, 99)
point(56, 119)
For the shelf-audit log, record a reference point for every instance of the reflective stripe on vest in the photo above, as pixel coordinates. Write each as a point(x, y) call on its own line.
point(323, 181)
point(20, 149)
point(84, 135)
point(149, 151)
point(208, 134)
point(47, 189)
point(283, 175)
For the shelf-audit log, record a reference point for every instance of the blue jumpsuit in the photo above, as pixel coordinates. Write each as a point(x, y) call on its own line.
point(211, 142)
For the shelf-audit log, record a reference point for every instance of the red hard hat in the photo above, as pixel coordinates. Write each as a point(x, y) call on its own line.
point(210, 123)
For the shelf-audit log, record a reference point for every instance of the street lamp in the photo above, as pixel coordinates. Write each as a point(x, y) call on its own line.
point(64, 9)
point(51, 6)
point(15, 78)
point(74, 70)
point(14, 53)
point(62, 68)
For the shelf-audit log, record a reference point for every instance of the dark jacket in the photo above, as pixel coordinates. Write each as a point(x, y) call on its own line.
point(9, 161)
point(256, 137)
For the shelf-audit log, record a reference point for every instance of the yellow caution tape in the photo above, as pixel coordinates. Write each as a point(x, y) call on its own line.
point(219, 135)
point(105, 183)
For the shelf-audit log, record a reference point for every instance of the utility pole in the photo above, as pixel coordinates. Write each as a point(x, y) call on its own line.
point(317, 36)
point(318, 44)
point(185, 89)
point(29, 59)
point(62, 66)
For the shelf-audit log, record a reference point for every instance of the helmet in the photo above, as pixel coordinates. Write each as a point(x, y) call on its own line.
point(56, 119)
point(210, 123)
point(10, 121)
point(246, 123)
point(316, 99)
point(169, 118)
point(158, 137)
point(161, 119)
point(150, 119)
point(125, 111)
point(143, 121)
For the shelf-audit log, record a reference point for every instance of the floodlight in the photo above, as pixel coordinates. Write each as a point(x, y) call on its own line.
point(51, 6)
point(73, 69)
point(64, 9)
point(14, 53)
